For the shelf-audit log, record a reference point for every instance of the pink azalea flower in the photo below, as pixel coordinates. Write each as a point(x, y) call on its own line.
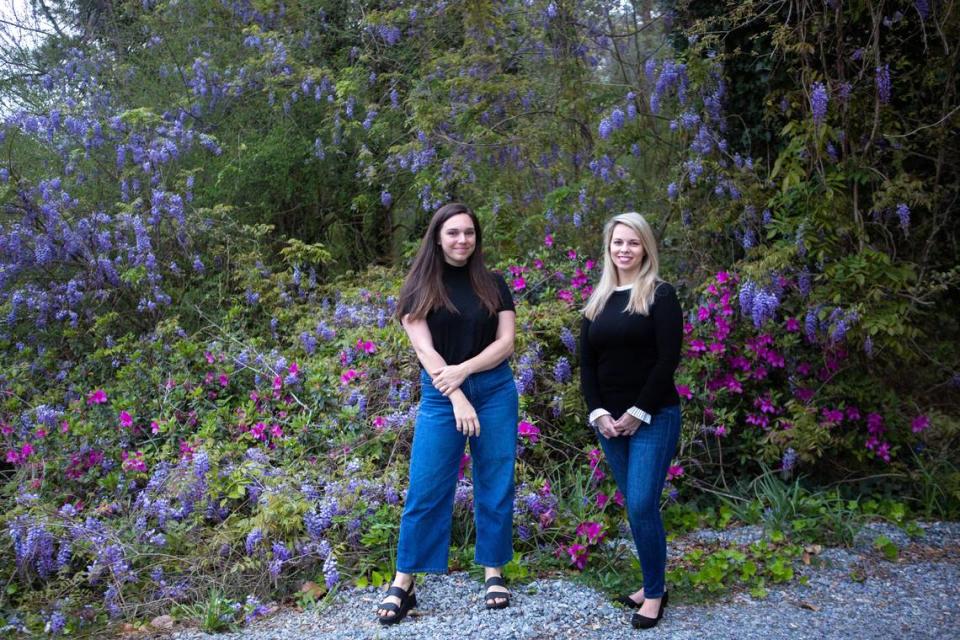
point(276, 431)
point(592, 531)
point(578, 555)
point(703, 314)
point(793, 325)
point(257, 431)
point(588, 265)
point(277, 383)
point(224, 379)
point(853, 413)
point(64, 427)
point(294, 369)
point(519, 284)
point(674, 472)
point(548, 240)
point(464, 464)
point(538, 263)
point(920, 423)
point(720, 431)
point(208, 356)
point(602, 500)
point(154, 427)
point(379, 422)
point(529, 431)
point(565, 295)
point(97, 397)
point(723, 277)
point(571, 254)
point(348, 375)
point(126, 420)
point(618, 499)
point(684, 391)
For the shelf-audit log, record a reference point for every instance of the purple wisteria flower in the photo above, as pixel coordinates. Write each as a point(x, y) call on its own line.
point(903, 215)
point(568, 340)
point(884, 88)
point(819, 100)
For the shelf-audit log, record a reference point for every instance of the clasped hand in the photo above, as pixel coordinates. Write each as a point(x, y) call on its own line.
point(466, 416)
point(448, 378)
point(625, 425)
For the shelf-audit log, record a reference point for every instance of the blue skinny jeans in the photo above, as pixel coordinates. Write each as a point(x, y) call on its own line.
point(425, 526)
point(639, 464)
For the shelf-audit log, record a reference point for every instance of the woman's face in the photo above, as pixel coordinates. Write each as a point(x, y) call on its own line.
point(626, 252)
point(458, 239)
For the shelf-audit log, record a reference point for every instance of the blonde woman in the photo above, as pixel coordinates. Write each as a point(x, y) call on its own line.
point(629, 349)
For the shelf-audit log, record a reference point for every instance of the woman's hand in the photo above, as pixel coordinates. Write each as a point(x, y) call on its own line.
point(448, 378)
point(627, 424)
point(607, 427)
point(467, 422)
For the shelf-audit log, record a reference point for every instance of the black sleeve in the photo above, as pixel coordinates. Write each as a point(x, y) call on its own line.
point(588, 370)
point(668, 330)
point(506, 298)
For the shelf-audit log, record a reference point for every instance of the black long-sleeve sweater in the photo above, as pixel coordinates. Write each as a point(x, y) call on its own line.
point(628, 360)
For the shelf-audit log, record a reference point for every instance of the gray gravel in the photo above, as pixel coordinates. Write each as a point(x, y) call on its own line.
point(850, 593)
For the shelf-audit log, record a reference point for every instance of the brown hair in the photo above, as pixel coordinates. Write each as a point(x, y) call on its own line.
point(423, 289)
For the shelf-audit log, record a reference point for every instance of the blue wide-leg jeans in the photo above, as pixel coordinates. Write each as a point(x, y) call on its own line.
point(639, 464)
point(434, 464)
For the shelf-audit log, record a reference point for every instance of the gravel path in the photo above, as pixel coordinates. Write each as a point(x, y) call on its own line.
point(914, 597)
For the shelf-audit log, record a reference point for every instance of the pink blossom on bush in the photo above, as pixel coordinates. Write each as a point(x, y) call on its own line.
point(592, 531)
point(684, 391)
point(126, 420)
point(792, 325)
point(529, 431)
point(519, 284)
point(548, 240)
point(920, 423)
point(578, 555)
point(602, 499)
point(673, 472)
point(97, 397)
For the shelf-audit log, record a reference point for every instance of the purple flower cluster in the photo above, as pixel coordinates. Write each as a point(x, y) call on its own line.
point(758, 303)
point(819, 100)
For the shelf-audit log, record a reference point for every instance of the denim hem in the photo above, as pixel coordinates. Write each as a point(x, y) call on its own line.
point(493, 564)
point(443, 570)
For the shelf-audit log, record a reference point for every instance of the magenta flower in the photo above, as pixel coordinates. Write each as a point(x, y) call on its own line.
point(257, 431)
point(602, 500)
point(571, 254)
point(566, 295)
point(529, 431)
point(464, 464)
point(723, 277)
point(366, 346)
point(920, 423)
point(519, 284)
point(792, 325)
point(578, 555)
point(97, 397)
point(348, 375)
point(592, 531)
point(674, 471)
point(379, 422)
point(720, 431)
point(224, 379)
point(548, 240)
point(126, 420)
point(684, 391)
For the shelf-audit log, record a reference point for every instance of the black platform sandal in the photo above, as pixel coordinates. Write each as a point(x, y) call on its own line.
point(643, 622)
point(628, 602)
point(408, 600)
point(491, 597)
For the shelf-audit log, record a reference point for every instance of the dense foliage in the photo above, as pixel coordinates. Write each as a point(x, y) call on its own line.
point(206, 207)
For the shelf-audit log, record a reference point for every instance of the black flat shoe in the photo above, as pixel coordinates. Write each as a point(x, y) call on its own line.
point(491, 597)
point(408, 600)
point(628, 602)
point(643, 622)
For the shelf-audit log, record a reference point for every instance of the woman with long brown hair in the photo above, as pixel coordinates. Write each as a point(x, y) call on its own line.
point(461, 323)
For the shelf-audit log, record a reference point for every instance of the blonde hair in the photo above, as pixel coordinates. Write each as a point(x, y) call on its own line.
point(641, 295)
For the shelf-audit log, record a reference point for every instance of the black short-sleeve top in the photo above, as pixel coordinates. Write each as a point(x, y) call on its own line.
point(457, 337)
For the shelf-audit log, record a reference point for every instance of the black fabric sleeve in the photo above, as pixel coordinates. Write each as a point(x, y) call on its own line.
point(506, 298)
point(668, 333)
point(588, 370)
